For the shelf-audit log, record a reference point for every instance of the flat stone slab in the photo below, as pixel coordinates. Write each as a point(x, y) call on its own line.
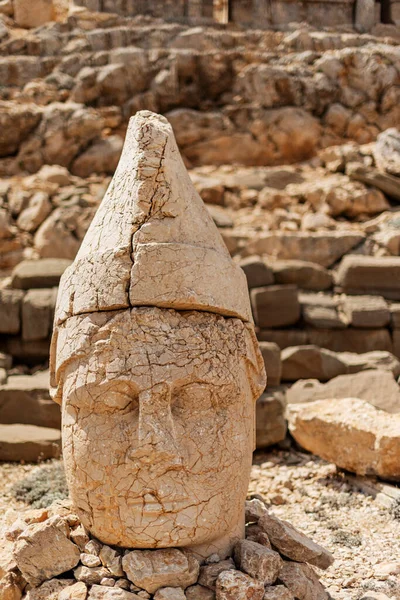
point(29, 443)
point(43, 273)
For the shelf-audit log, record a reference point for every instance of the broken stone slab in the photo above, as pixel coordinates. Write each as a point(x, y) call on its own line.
point(209, 573)
point(370, 275)
point(323, 248)
point(386, 151)
point(153, 569)
point(101, 592)
point(25, 399)
point(234, 585)
point(149, 244)
point(270, 420)
point(378, 388)
point(310, 362)
point(42, 273)
point(322, 310)
point(306, 275)
point(43, 550)
point(275, 305)
point(29, 443)
point(386, 183)
point(351, 433)
point(258, 561)
point(272, 361)
point(366, 311)
point(258, 274)
point(301, 580)
point(293, 544)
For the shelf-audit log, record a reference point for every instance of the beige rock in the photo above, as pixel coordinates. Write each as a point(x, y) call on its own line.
point(209, 573)
point(275, 305)
point(293, 544)
point(38, 209)
point(10, 309)
point(322, 310)
point(37, 313)
point(100, 592)
point(370, 275)
point(91, 575)
point(310, 362)
point(54, 174)
point(272, 360)
point(350, 433)
point(366, 311)
point(278, 592)
point(29, 443)
point(49, 590)
point(167, 373)
point(76, 591)
point(198, 592)
point(387, 151)
point(233, 585)
point(26, 17)
point(258, 561)
point(376, 387)
point(270, 421)
point(258, 274)
point(7, 560)
point(302, 581)
point(170, 593)
point(112, 559)
point(90, 560)
point(10, 587)
point(160, 568)
point(254, 510)
point(306, 275)
point(44, 273)
point(43, 551)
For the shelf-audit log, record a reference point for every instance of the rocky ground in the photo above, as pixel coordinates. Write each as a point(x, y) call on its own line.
point(363, 535)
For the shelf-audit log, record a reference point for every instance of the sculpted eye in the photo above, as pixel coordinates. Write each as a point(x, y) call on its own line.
point(117, 400)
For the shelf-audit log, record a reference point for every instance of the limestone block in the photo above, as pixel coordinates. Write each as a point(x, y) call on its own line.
point(306, 275)
point(275, 306)
point(293, 544)
point(100, 592)
point(351, 433)
point(350, 339)
point(322, 310)
point(302, 581)
point(152, 570)
point(37, 312)
point(25, 16)
point(209, 573)
point(272, 360)
point(310, 362)
point(258, 561)
point(321, 248)
point(258, 274)
point(370, 275)
point(377, 387)
point(366, 311)
point(270, 421)
point(43, 551)
point(233, 585)
point(43, 273)
point(10, 311)
point(33, 352)
point(29, 443)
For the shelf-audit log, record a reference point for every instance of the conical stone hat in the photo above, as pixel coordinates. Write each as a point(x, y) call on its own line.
point(152, 241)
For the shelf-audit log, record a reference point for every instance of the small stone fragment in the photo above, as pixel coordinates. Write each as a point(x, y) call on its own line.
point(198, 592)
point(108, 581)
point(91, 575)
point(302, 581)
point(43, 550)
point(77, 591)
point(233, 585)
point(254, 533)
point(292, 543)
point(258, 561)
point(153, 569)
point(123, 584)
point(80, 537)
point(112, 559)
point(278, 592)
point(170, 593)
point(209, 573)
point(100, 592)
point(254, 509)
point(90, 560)
point(93, 547)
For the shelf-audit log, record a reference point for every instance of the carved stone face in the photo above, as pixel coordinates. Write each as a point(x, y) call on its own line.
point(158, 425)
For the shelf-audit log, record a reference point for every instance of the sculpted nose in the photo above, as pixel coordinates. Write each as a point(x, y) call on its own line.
point(156, 433)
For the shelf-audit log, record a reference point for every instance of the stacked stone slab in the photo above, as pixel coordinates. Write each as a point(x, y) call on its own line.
point(48, 554)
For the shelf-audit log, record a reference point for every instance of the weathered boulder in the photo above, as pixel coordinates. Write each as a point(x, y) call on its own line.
point(351, 433)
point(293, 544)
point(199, 592)
point(233, 585)
point(49, 590)
point(35, 213)
point(101, 157)
point(306, 275)
point(258, 561)
point(370, 275)
point(275, 305)
point(258, 274)
point(302, 582)
point(270, 421)
point(29, 443)
point(376, 387)
point(322, 310)
point(310, 362)
point(101, 592)
point(43, 550)
point(152, 570)
point(366, 311)
point(272, 360)
point(387, 151)
point(26, 17)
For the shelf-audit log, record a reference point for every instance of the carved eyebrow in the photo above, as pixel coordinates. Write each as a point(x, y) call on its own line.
point(112, 385)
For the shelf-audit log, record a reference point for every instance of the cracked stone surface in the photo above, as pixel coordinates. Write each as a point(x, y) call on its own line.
point(155, 362)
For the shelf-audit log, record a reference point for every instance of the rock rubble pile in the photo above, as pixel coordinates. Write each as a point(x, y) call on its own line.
point(46, 554)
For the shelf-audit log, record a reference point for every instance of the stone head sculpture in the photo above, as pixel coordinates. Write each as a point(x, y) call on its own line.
point(155, 361)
